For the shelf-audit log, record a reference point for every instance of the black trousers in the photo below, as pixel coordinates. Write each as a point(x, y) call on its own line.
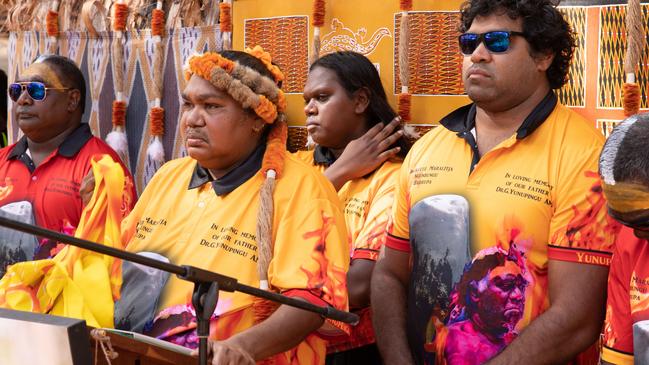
point(366, 355)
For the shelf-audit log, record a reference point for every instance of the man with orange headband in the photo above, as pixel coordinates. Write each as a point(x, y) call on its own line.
point(624, 168)
point(41, 174)
point(240, 205)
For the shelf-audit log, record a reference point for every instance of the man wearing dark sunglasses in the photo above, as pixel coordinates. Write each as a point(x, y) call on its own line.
point(45, 168)
point(527, 166)
point(624, 169)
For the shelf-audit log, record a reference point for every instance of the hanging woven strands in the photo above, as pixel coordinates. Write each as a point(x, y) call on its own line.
point(155, 155)
point(404, 99)
point(317, 22)
point(318, 18)
point(52, 27)
point(635, 44)
point(225, 22)
point(117, 137)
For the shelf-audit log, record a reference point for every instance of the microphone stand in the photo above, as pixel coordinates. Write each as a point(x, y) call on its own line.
point(206, 283)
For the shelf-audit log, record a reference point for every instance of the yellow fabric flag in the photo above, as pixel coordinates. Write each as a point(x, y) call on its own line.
point(77, 283)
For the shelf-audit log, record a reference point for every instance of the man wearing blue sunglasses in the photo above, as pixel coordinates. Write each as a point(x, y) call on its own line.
point(514, 168)
point(41, 174)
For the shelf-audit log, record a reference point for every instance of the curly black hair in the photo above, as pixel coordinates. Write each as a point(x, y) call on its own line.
point(544, 27)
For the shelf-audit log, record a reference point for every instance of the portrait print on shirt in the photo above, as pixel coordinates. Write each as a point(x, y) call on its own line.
point(472, 303)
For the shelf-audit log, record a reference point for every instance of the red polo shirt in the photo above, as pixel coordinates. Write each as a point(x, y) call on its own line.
point(53, 187)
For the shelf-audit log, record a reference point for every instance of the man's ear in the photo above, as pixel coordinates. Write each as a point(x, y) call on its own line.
point(258, 124)
point(543, 60)
point(361, 100)
point(473, 291)
point(74, 99)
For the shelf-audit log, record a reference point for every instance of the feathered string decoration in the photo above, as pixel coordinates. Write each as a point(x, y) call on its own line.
point(155, 155)
point(272, 166)
point(52, 27)
point(317, 22)
point(116, 139)
point(225, 22)
point(404, 99)
point(635, 39)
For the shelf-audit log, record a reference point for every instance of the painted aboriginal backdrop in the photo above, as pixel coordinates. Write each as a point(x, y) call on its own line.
point(372, 28)
point(367, 26)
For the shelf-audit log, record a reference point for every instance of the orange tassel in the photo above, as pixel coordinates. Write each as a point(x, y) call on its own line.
point(318, 13)
point(119, 113)
point(225, 17)
point(631, 99)
point(275, 149)
point(405, 5)
point(157, 22)
point(404, 102)
point(52, 23)
point(119, 22)
point(156, 121)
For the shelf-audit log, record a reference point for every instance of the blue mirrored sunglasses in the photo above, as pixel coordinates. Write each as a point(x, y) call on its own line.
point(35, 89)
point(497, 41)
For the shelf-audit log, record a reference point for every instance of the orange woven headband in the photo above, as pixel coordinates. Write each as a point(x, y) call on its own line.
point(245, 85)
point(626, 197)
point(265, 57)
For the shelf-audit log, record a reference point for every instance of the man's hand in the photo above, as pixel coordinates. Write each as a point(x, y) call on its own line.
point(87, 188)
point(280, 332)
point(224, 353)
point(364, 154)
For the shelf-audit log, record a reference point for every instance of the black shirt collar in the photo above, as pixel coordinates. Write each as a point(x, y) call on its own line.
point(70, 146)
point(462, 120)
point(234, 178)
point(323, 156)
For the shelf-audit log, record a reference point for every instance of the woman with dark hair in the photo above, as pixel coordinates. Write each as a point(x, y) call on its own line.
point(351, 122)
point(231, 206)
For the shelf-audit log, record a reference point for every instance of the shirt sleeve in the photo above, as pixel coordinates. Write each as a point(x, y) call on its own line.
point(580, 229)
point(398, 232)
point(618, 326)
point(372, 235)
point(310, 251)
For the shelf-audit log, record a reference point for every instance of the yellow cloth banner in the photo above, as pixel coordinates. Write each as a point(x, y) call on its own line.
point(77, 283)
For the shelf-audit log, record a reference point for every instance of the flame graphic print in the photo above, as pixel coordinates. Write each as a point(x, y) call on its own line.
point(326, 279)
point(587, 229)
point(6, 190)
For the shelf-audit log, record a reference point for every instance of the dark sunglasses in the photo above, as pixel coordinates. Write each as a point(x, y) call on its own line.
point(497, 41)
point(35, 89)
